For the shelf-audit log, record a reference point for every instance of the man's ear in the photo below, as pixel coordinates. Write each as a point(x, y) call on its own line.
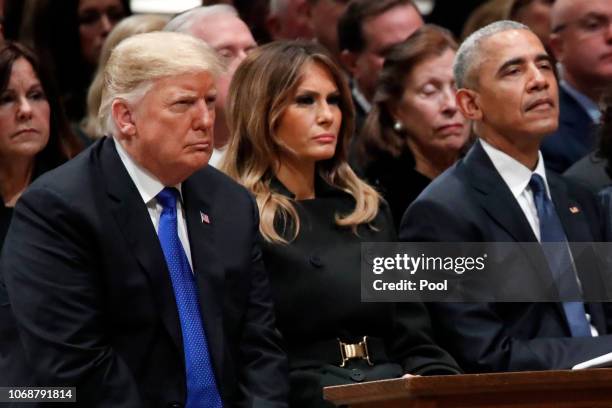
point(469, 104)
point(123, 118)
point(349, 61)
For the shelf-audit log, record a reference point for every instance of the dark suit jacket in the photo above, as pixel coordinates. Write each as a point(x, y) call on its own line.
point(94, 303)
point(470, 202)
point(574, 139)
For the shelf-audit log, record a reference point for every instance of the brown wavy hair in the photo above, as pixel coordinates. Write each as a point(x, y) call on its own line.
point(262, 88)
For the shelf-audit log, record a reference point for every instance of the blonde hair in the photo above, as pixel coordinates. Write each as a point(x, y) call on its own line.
point(143, 58)
point(263, 86)
point(127, 27)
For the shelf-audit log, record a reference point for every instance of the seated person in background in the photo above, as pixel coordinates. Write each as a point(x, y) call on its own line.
point(605, 161)
point(535, 14)
point(221, 27)
point(34, 134)
point(581, 41)
point(415, 130)
point(593, 171)
point(291, 118)
point(141, 23)
point(34, 138)
point(68, 36)
point(142, 269)
point(500, 192)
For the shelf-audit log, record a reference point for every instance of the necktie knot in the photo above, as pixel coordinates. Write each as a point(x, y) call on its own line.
point(537, 185)
point(167, 198)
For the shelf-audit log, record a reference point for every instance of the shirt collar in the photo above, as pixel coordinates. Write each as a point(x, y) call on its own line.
point(513, 172)
point(590, 107)
point(147, 184)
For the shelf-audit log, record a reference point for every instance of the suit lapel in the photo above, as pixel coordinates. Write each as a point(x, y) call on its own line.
point(198, 194)
point(500, 204)
point(495, 196)
point(133, 220)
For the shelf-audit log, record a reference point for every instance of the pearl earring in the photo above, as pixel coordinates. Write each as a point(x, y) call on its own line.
point(398, 126)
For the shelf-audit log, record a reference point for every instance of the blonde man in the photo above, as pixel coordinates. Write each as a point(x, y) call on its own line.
point(143, 275)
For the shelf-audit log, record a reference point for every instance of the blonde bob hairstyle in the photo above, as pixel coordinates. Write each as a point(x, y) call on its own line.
point(263, 86)
point(139, 60)
point(137, 24)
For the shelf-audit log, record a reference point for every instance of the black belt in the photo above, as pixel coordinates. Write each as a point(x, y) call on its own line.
point(338, 353)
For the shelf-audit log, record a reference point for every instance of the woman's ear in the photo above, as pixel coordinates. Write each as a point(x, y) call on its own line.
point(123, 117)
point(469, 103)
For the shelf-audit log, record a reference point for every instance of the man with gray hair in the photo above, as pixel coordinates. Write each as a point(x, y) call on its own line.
point(220, 27)
point(134, 270)
point(500, 192)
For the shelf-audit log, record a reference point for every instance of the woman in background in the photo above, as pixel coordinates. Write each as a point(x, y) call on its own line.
point(68, 36)
point(290, 116)
point(414, 131)
point(34, 137)
point(34, 134)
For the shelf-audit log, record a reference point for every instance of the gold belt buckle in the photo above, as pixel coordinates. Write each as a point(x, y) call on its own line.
point(356, 350)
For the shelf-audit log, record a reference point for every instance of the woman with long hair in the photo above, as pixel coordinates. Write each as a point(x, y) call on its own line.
point(34, 137)
point(415, 130)
point(290, 117)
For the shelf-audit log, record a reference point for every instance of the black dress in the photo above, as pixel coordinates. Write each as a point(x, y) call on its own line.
point(316, 286)
point(397, 181)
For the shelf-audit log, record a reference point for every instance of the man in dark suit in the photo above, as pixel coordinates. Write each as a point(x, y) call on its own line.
point(500, 192)
point(581, 40)
point(366, 31)
point(134, 272)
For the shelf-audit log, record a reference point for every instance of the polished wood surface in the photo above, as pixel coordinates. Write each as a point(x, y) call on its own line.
point(541, 389)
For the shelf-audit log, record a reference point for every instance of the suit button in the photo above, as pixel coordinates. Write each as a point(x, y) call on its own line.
point(175, 405)
point(357, 375)
point(316, 261)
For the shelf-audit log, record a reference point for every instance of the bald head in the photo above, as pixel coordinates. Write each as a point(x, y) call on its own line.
point(581, 40)
point(561, 12)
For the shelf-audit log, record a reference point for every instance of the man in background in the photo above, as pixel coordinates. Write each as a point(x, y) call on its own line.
point(220, 27)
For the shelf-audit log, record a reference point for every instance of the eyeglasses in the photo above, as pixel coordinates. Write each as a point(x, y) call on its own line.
point(590, 25)
point(91, 17)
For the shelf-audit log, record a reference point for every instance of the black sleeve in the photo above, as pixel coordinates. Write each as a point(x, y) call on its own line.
point(53, 285)
point(265, 367)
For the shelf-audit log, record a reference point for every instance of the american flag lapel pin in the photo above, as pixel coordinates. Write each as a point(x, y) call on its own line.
point(204, 217)
point(574, 210)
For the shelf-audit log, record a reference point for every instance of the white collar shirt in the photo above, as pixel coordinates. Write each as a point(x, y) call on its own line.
point(149, 186)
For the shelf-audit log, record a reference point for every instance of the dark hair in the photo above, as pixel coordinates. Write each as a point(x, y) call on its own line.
point(350, 25)
point(63, 144)
point(605, 131)
point(51, 28)
point(378, 136)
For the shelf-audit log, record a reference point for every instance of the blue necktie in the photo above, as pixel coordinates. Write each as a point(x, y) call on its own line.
point(559, 259)
point(201, 386)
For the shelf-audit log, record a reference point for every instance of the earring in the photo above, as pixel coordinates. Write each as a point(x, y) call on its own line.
point(398, 126)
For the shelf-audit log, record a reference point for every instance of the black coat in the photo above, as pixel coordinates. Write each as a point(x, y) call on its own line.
point(316, 287)
point(573, 139)
point(397, 181)
point(93, 299)
point(470, 202)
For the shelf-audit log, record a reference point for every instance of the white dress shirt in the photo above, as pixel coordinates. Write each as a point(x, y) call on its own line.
point(149, 186)
point(517, 177)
